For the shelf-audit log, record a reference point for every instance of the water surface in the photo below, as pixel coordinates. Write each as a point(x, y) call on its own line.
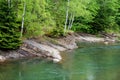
point(89, 62)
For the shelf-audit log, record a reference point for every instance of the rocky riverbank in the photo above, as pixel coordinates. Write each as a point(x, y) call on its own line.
point(50, 48)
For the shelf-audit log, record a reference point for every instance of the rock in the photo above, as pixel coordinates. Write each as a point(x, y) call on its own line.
point(2, 58)
point(46, 50)
point(68, 42)
point(56, 60)
point(59, 48)
point(89, 39)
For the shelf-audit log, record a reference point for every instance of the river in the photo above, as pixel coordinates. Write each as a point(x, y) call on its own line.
point(88, 62)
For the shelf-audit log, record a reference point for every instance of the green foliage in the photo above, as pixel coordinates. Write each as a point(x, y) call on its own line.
point(84, 11)
point(57, 11)
point(81, 28)
point(36, 18)
point(57, 32)
point(94, 16)
point(105, 19)
point(9, 29)
point(34, 30)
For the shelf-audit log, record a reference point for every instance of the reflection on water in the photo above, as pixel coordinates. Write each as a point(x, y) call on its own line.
point(87, 63)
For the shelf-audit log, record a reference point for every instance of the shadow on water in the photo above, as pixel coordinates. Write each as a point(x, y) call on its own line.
point(89, 62)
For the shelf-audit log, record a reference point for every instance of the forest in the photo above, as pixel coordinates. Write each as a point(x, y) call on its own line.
point(21, 19)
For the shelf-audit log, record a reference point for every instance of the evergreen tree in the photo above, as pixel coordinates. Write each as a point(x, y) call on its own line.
point(9, 28)
point(105, 19)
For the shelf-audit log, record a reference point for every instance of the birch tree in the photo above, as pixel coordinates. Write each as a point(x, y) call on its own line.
point(23, 18)
point(67, 14)
point(71, 21)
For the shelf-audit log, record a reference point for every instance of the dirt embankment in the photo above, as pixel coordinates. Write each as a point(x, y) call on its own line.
point(50, 48)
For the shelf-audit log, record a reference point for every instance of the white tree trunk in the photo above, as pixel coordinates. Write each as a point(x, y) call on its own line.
point(9, 2)
point(23, 17)
point(66, 17)
point(72, 21)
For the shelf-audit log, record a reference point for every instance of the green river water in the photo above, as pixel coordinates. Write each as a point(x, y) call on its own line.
point(89, 62)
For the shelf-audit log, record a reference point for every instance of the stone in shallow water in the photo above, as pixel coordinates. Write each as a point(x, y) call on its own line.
point(2, 58)
point(56, 60)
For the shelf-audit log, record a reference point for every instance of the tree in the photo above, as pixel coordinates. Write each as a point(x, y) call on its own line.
point(105, 19)
point(23, 18)
point(67, 15)
point(38, 19)
point(57, 9)
point(9, 28)
point(82, 13)
point(117, 19)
